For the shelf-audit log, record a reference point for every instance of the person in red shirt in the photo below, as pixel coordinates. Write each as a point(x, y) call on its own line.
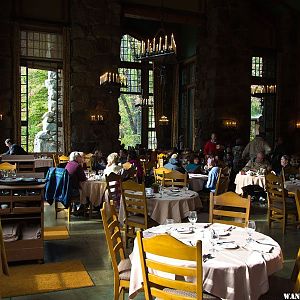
point(210, 147)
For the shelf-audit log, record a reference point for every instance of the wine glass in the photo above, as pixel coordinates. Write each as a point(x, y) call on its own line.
point(250, 227)
point(161, 191)
point(192, 218)
point(214, 239)
point(292, 178)
point(169, 223)
point(185, 189)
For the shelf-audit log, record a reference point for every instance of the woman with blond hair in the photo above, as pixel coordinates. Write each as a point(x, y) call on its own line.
point(112, 164)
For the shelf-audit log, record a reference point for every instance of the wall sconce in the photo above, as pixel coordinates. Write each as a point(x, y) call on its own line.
point(1, 117)
point(229, 123)
point(298, 124)
point(163, 121)
point(97, 118)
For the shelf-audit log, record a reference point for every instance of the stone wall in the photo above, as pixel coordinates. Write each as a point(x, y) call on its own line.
point(228, 37)
point(6, 74)
point(95, 48)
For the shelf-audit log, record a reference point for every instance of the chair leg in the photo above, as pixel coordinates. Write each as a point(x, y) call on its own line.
point(116, 290)
point(55, 206)
point(122, 293)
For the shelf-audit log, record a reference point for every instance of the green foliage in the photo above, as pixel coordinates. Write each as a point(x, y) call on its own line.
point(37, 103)
point(256, 108)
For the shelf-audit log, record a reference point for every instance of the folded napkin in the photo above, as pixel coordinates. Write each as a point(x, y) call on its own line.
point(254, 246)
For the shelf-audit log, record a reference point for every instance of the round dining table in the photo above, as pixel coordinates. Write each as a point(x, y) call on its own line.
point(292, 186)
point(242, 180)
point(197, 181)
point(94, 190)
point(171, 204)
point(235, 269)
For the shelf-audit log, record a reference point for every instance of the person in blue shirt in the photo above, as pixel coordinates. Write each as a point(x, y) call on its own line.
point(212, 175)
point(174, 164)
point(193, 164)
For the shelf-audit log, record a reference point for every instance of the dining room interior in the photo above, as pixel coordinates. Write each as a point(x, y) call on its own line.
point(150, 149)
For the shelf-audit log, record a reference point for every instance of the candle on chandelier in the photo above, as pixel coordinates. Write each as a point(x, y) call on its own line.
point(166, 42)
point(159, 47)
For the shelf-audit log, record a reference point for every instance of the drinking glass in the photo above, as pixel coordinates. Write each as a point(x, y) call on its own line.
point(250, 227)
point(169, 223)
point(185, 189)
point(214, 239)
point(161, 191)
point(292, 177)
point(192, 218)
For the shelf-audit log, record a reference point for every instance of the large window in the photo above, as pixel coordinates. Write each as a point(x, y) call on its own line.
point(263, 96)
point(137, 122)
point(41, 91)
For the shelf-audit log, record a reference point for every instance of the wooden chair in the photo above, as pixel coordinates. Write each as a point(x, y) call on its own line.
point(148, 166)
point(5, 166)
point(159, 173)
point(113, 185)
point(156, 286)
point(229, 207)
point(280, 208)
point(135, 208)
point(222, 182)
point(88, 159)
point(55, 159)
point(127, 166)
point(63, 159)
point(175, 178)
point(120, 264)
point(296, 273)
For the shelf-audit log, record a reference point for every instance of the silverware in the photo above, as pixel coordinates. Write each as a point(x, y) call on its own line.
point(262, 243)
point(207, 225)
point(206, 257)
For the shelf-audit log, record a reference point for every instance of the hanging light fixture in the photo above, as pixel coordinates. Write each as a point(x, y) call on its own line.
point(163, 120)
point(113, 79)
point(162, 44)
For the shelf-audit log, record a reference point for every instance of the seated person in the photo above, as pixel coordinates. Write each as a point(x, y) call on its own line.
point(212, 175)
point(99, 161)
point(193, 164)
point(174, 164)
point(135, 162)
point(13, 149)
point(287, 169)
point(76, 172)
point(258, 163)
point(123, 155)
point(112, 167)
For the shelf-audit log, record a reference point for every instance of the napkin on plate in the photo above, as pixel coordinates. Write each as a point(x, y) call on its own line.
point(254, 246)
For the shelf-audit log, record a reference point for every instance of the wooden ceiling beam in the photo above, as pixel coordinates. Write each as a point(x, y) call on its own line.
point(152, 13)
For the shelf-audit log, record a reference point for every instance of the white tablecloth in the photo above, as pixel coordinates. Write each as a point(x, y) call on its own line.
point(235, 274)
point(197, 182)
point(170, 206)
point(94, 190)
point(244, 180)
point(292, 186)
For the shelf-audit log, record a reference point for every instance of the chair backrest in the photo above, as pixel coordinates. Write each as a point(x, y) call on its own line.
point(296, 274)
point(113, 185)
point(159, 173)
point(218, 182)
point(55, 159)
point(7, 167)
point(63, 159)
point(228, 207)
point(148, 166)
point(222, 184)
point(175, 178)
point(170, 248)
point(127, 165)
point(113, 236)
point(275, 192)
point(88, 159)
point(134, 199)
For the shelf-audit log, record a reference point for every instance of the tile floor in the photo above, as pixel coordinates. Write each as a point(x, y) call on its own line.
point(87, 243)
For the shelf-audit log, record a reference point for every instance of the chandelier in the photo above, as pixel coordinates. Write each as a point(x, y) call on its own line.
point(113, 79)
point(160, 45)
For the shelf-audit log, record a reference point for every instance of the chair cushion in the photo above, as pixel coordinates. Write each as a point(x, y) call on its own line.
point(124, 268)
point(189, 294)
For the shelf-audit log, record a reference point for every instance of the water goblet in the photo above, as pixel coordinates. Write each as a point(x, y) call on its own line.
point(169, 223)
point(250, 227)
point(292, 178)
point(192, 218)
point(161, 191)
point(214, 239)
point(185, 189)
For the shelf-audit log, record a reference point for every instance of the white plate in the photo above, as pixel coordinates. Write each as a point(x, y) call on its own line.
point(230, 245)
point(184, 230)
